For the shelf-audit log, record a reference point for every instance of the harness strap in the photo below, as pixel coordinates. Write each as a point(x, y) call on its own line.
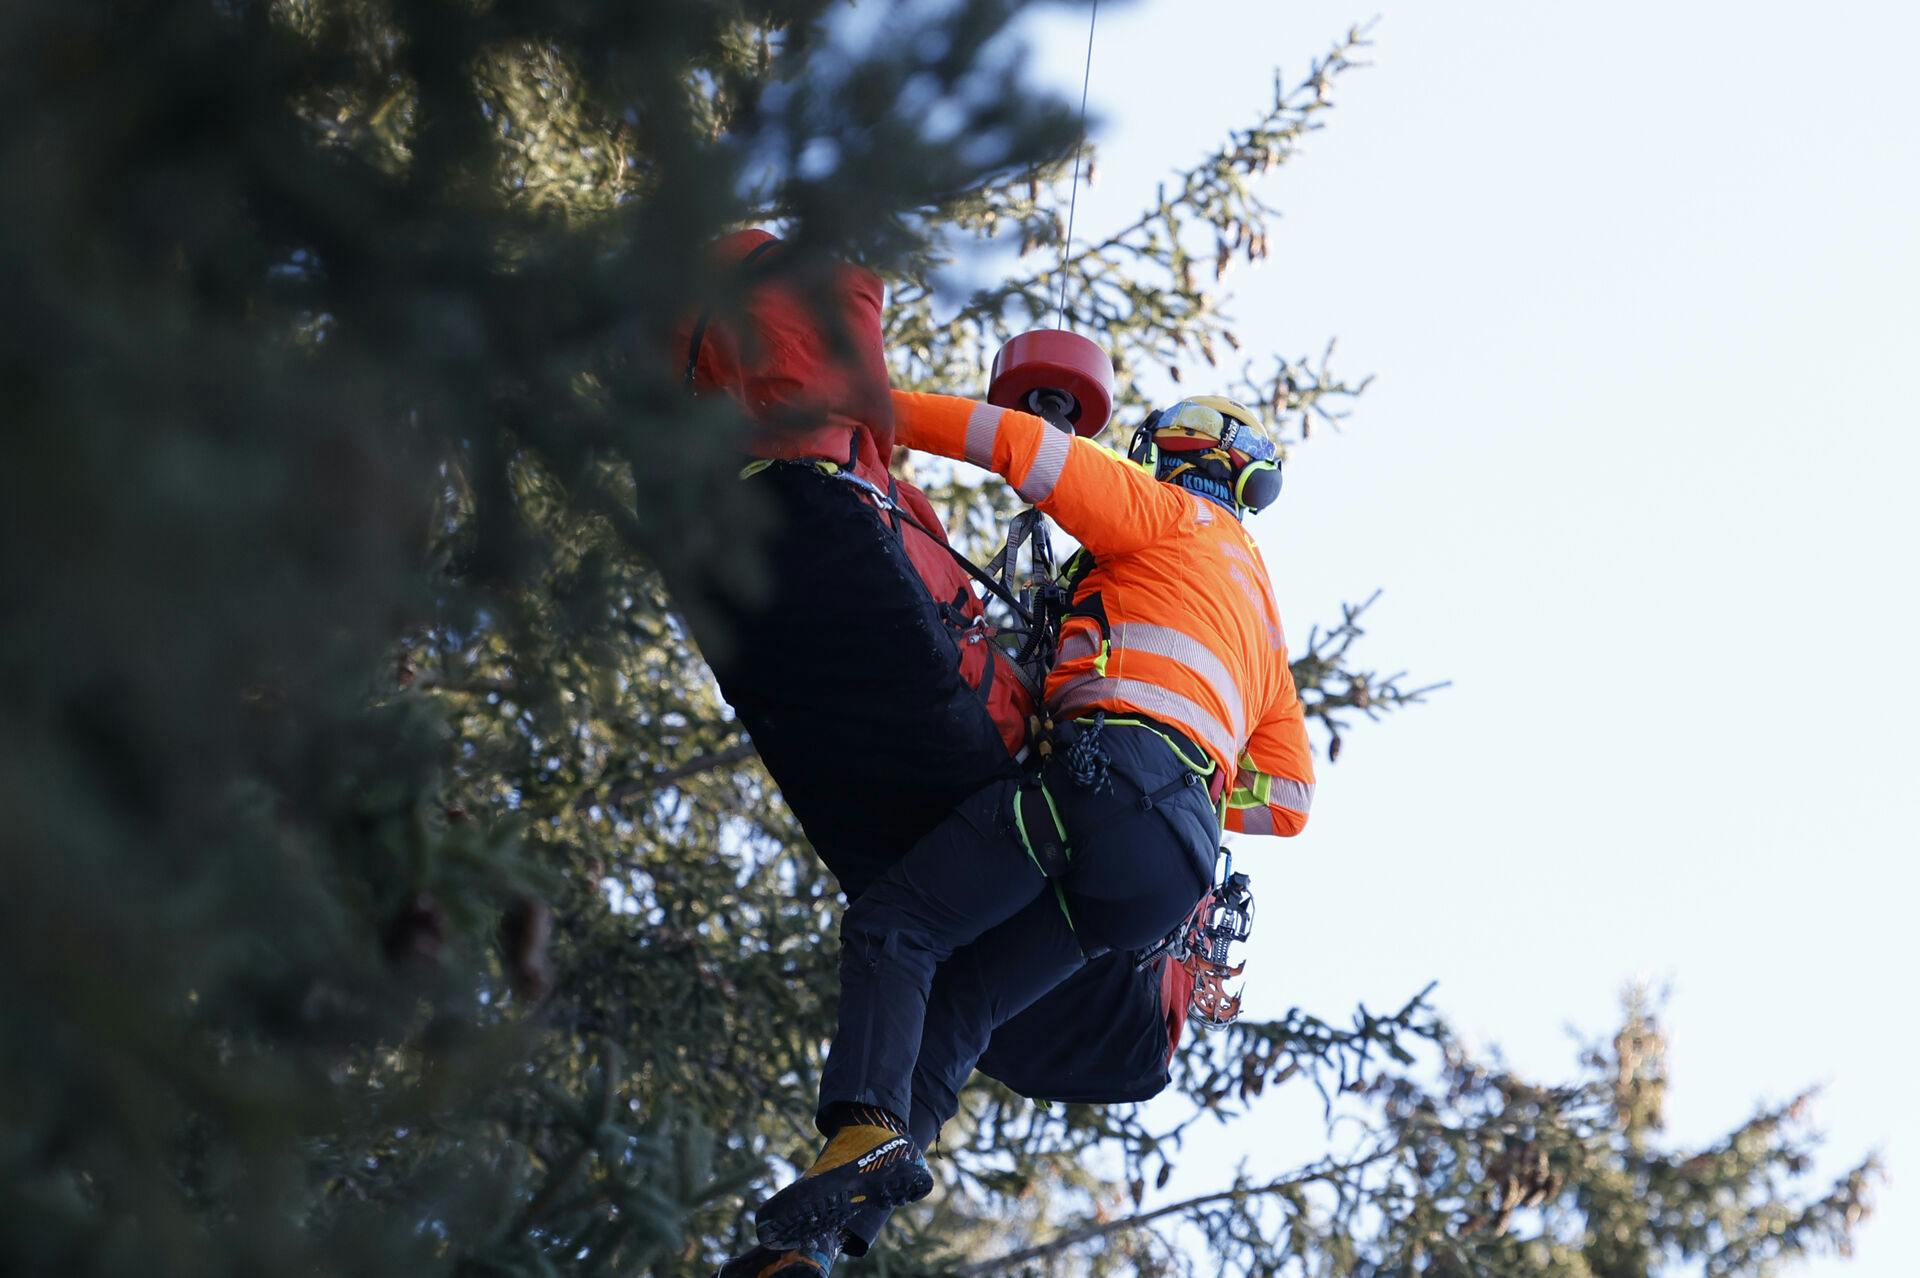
point(1042, 833)
point(1050, 853)
point(1204, 770)
point(1094, 609)
point(1185, 780)
point(1023, 527)
point(899, 514)
point(1043, 597)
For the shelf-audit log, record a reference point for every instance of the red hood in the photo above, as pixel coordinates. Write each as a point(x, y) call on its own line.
point(785, 369)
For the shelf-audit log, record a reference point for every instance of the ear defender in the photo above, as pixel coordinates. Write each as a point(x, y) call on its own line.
point(1258, 485)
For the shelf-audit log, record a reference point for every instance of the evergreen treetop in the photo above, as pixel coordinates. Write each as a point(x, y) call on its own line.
point(387, 888)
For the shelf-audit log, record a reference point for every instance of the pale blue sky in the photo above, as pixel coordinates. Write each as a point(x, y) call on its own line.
point(1641, 283)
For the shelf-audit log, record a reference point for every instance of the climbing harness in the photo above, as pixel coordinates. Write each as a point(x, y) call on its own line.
point(1044, 595)
point(1040, 602)
point(1042, 832)
point(886, 503)
point(1203, 945)
point(1083, 758)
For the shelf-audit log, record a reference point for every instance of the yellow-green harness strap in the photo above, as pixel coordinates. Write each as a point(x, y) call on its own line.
point(753, 468)
point(1054, 852)
point(1207, 770)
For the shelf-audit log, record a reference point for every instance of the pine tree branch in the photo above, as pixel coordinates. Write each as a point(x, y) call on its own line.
point(1270, 142)
point(627, 791)
point(739, 752)
point(1103, 1229)
point(473, 686)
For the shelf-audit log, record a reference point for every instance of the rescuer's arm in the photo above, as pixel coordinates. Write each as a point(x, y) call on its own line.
point(1274, 789)
point(1108, 503)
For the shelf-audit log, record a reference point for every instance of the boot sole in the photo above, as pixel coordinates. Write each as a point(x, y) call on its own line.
point(807, 1209)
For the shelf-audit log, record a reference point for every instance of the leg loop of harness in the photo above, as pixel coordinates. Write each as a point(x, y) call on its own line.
point(1044, 835)
point(1042, 832)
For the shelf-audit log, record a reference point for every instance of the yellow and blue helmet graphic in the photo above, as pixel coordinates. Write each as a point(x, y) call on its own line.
point(1213, 421)
point(1184, 442)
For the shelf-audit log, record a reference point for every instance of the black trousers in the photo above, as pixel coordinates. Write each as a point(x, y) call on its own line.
point(845, 674)
point(965, 931)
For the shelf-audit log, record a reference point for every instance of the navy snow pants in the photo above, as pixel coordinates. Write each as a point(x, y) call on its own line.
point(965, 931)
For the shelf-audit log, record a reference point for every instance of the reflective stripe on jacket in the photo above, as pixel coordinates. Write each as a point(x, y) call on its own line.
point(1194, 635)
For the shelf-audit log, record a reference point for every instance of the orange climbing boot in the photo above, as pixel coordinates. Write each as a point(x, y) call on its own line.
point(869, 1162)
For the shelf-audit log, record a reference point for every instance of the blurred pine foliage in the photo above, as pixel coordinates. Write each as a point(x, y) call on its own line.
point(383, 887)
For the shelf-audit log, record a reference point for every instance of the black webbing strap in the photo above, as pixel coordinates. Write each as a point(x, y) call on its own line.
point(1022, 527)
point(1043, 598)
point(967, 565)
point(1148, 802)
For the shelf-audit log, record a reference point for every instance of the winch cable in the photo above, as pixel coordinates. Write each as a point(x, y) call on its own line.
point(1028, 527)
point(1079, 150)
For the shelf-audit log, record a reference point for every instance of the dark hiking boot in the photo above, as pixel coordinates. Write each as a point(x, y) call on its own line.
point(868, 1163)
point(813, 1259)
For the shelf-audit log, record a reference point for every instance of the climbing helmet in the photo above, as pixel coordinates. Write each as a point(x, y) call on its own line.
point(1214, 445)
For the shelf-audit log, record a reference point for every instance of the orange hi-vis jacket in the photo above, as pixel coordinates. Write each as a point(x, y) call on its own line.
point(1194, 637)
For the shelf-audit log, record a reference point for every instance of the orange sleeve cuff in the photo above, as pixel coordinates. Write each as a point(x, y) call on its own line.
point(932, 423)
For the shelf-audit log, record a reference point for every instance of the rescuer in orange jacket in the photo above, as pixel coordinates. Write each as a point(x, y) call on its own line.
point(1172, 710)
point(1190, 633)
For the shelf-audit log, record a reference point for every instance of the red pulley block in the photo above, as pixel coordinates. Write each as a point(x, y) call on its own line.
point(1057, 375)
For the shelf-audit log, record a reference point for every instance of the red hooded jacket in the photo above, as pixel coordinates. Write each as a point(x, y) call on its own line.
point(817, 384)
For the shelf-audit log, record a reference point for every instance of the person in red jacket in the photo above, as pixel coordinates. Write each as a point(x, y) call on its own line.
point(1173, 711)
